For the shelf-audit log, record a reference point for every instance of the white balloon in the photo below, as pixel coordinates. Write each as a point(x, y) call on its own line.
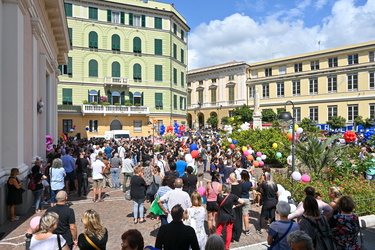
point(283, 198)
point(299, 130)
point(287, 193)
point(292, 208)
point(230, 140)
point(280, 189)
point(188, 158)
point(263, 157)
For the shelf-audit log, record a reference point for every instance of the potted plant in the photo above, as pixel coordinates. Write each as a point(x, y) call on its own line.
point(93, 103)
point(85, 102)
point(117, 104)
point(105, 103)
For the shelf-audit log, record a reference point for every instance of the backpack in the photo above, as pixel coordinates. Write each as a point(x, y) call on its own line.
point(31, 185)
point(323, 235)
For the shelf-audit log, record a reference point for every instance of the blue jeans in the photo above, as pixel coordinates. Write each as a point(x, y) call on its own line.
point(115, 177)
point(138, 204)
point(163, 219)
point(38, 198)
point(135, 162)
point(53, 195)
point(204, 165)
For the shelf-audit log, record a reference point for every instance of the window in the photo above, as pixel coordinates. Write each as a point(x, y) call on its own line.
point(230, 113)
point(158, 43)
point(268, 71)
point(174, 51)
point(352, 82)
point(67, 95)
point(372, 111)
point(137, 20)
point(200, 97)
point(189, 98)
point(93, 96)
point(297, 114)
point(254, 74)
point(231, 94)
point(298, 67)
point(332, 112)
point(70, 31)
point(175, 29)
point(116, 18)
point(332, 84)
point(143, 21)
point(122, 17)
point(137, 45)
point(201, 82)
point(175, 76)
point(182, 103)
point(158, 72)
point(137, 126)
point(213, 95)
point(314, 65)
point(332, 62)
point(296, 88)
point(280, 89)
point(189, 84)
point(313, 114)
point(182, 56)
point(116, 97)
point(158, 23)
point(138, 98)
point(282, 70)
point(93, 68)
point(109, 15)
point(116, 69)
point(182, 35)
point(313, 86)
point(93, 13)
point(175, 101)
point(251, 92)
point(353, 59)
point(231, 78)
point(131, 19)
point(93, 40)
point(116, 42)
point(266, 91)
point(213, 80)
point(371, 80)
point(159, 100)
point(352, 112)
point(68, 9)
point(137, 72)
point(67, 126)
point(93, 125)
point(67, 69)
point(182, 79)
point(371, 56)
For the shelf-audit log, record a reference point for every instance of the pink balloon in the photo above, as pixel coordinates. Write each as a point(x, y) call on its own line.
point(261, 163)
point(246, 153)
point(259, 154)
point(34, 222)
point(202, 191)
point(305, 178)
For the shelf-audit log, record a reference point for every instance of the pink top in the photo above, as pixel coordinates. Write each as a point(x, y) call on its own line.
point(211, 194)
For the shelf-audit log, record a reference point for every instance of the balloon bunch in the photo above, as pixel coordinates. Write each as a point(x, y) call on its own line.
point(298, 177)
point(259, 160)
point(245, 126)
point(176, 128)
point(169, 129)
point(350, 136)
point(285, 195)
point(49, 141)
point(298, 131)
point(369, 134)
point(228, 129)
point(162, 129)
point(182, 129)
point(73, 128)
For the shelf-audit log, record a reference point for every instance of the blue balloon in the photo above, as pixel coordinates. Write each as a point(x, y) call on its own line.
point(234, 142)
point(193, 146)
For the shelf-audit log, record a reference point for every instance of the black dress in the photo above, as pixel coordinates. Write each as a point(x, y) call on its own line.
point(101, 244)
point(14, 194)
point(237, 227)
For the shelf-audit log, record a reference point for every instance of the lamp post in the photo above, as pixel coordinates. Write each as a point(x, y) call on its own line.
point(284, 120)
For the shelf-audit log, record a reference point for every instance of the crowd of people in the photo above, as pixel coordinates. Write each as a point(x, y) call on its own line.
point(179, 196)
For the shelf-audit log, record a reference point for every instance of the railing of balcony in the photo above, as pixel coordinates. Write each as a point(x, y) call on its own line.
point(115, 109)
point(115, 80)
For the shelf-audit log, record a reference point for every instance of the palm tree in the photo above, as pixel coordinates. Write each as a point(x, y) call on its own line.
point(317, 155)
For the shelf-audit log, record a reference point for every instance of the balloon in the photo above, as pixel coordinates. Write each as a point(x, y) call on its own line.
point(246, 153)
point(232, 118)
point(290, 131)
point(87, 129)
point(250, 157)
point(299, 130)
point(274, 145)
point(194, 153)
point(232, 146)
point(296, 126)
point(259, 154)
point(263, 157)
point(34, 222)
point(244, 148)
point(296, 176)
point(289, 136)
point(287, 193)
point(259, 159)
point(193, 146)
point(234, 141)
point(202, 191)
point(188, 158)
point(283, 198)
point(239, 130)
point(74, 126)
point(278, 155)
point(261, 163)
point(224, 147)
point(280, 189)
point(305, 178)
point(256, 164)
point(292, 208)
point(230, 140)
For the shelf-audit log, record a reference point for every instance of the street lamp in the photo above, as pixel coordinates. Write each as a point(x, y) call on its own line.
point(285, 118)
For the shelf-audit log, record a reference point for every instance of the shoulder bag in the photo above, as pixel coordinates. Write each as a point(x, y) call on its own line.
point(282, 237)
point(90, 242)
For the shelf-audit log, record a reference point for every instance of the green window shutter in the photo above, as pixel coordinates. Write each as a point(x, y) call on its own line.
point(131, 97)
point(158, 47)
point(122, 98)
point(158, 100)
point(182, 56)
point(93, 40)
point(130, 18)
point(116, 42)
point(174, 51)
point(175, 101)
point(93, 68)
point(158, 23)
point(174, 75)
point(185, 103)
point(137, 45)
point(109, 15)
point(143, 21)
point(60, 67)
point(93, 13)
point(181, 102)
point(98, 96)
point(182, 79)
point(116, 69)
point(68, 9)
point(213, 95)
point(231, 93)
point(70, 66)
point(158, 72)
point(142, 99)
point(122, 17)
point(137, 72)
point(109, 97)
point(67, 96)
point(175, 29)
point(70, 31)
point(182, 35)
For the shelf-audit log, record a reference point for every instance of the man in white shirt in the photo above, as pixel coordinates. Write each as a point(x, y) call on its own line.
point(162, 165)
point(127, 170)
point(97, 177)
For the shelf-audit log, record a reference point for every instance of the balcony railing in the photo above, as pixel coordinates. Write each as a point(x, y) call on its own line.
point(115, 80)
point(216, 104)
point(115, 109)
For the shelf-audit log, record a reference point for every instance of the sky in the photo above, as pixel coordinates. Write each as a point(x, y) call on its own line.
point(258, 30)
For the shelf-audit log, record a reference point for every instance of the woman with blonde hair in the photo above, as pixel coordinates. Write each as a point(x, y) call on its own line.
point(14, 192)
point(334, 193)
point(195, 216)
point(46, 239)
point(138, 193)
point(57, 175)
point(95, 235)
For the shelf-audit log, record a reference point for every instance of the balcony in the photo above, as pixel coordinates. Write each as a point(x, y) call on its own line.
point(213, 105)
point(115, 109)
point(115, 81)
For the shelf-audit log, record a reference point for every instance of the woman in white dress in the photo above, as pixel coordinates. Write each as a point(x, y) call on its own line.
point(195, 216)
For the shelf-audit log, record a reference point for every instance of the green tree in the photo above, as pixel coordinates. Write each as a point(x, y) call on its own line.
point(268, 115)
point(308, 125)
point(337, 122)
point(213, 121)
point(244, 112)
point(366, 123)
point(225, 120)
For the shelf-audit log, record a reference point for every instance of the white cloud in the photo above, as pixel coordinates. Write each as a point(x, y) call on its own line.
point(239, 37)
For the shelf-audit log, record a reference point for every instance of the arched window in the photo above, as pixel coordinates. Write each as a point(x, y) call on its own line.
point(116, 97)
point(93, 40)
point(116, 42)
point(137, 72)
point(93, 96)
point(137, 45)
point(137, 97)
point(116, 69)
point(93, 68)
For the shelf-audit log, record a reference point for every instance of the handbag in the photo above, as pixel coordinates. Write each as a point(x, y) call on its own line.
point(281, 238)
point(128, 197)
point(153, 188)
point(90, 242)
point(155, 209)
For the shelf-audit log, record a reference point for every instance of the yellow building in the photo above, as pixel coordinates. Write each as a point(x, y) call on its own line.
point(321, 84)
